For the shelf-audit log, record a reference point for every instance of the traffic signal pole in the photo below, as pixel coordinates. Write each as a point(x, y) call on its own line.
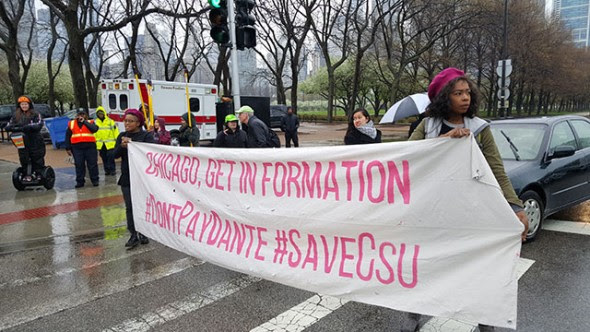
point(235, 76)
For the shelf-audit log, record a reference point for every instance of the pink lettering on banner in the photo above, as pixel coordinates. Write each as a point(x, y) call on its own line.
point(312, 253)
point(162, 214)
point(349, 165)
point(359, 263)
point(292, 179)
point(265, 177)
point(391, 278)
point(345, 257)
point(402, 185)
point(369, 259)
point(261, 243)
point(292, 262)
point(331, 185)
point(361, 257)
point(329, 262)
point(172, 167)
point(371, 184)
point(248, 177)
point(312, 185)
point(280, 179)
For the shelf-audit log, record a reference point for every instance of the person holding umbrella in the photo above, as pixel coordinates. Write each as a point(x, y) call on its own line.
point(452, 113)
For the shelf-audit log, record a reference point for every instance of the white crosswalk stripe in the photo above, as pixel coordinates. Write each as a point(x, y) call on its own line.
point(33, 312)
point(177, 309)
point(567, 226)
point(69, 270)
point(302, 315)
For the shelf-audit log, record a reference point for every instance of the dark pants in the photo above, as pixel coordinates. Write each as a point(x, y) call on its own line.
point(85, 157)
point(108, 159)
point(128, 209)
point(35, 158)
point(291, 137)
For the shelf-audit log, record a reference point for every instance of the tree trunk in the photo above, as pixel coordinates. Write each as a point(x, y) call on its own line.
point(75, 53)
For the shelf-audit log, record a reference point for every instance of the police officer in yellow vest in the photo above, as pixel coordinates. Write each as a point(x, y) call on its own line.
point(106, 137)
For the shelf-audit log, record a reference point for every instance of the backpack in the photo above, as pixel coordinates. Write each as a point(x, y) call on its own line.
point(273, 139)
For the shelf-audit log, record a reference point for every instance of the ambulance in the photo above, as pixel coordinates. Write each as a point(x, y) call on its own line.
point(168, 101)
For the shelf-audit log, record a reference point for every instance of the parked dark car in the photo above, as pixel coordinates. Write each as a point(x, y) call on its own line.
point(276, 114)
point(5, 114)
point(548, 162)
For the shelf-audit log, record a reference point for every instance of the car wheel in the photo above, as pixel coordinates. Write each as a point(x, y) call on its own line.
point(533, 207)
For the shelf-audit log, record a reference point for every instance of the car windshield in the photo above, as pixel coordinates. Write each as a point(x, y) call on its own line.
point(518, 141)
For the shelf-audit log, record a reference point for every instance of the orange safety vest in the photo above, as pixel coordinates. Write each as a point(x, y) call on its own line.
point(81, 135)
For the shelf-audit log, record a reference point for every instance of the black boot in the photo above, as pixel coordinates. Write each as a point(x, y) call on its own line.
point(133, 241)
point(143, 239)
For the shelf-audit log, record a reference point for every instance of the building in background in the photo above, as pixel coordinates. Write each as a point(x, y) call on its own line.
point(575, 15)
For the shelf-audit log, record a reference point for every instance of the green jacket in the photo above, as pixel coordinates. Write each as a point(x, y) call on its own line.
point(486, 142)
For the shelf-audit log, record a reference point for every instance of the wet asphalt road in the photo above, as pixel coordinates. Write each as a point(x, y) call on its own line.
point(69, 271)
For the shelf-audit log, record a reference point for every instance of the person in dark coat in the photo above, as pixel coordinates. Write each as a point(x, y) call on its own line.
point(361, 129)
point(161, 135)
point(415, 124)
point(81, 143)
point(189, 132)
point(133, 132)
point(257, 130)
point(28, 122)
point(289, 125)
point(232, 136)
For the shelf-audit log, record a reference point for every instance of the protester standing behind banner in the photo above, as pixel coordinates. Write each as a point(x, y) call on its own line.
point(133, 132)
point(290, 125)
point(257, 130)
point(452, 113)
point(80, 143)
point(106, 137)
point(232, 136)
point(361, 129)
point(161, 135)
point(189, 133)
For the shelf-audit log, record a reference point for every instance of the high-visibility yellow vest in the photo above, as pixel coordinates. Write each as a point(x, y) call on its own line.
point(107, 133)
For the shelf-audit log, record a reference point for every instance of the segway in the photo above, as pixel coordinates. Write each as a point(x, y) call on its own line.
point(20, 180)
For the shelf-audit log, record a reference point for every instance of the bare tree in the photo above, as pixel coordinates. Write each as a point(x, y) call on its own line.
point(274, 42)
point(78, 29)
point(330, 25)
point(367, 19)
point(12, 13)
point(51, 74)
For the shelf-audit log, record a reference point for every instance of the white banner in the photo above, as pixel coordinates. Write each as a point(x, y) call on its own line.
point(414, 226)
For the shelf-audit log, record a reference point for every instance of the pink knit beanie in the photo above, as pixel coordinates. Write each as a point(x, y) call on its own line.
point(440, 80)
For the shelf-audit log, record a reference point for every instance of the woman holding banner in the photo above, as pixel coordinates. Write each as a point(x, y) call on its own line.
point(361, 129)
point(134, 122)
point(452, 113)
